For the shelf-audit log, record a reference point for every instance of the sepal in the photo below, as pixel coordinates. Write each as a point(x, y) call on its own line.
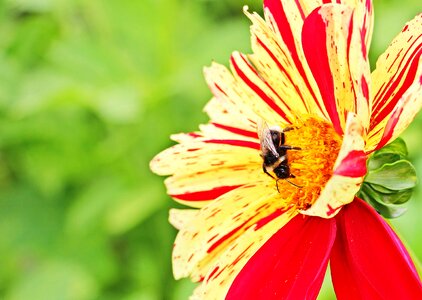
point(390, 180)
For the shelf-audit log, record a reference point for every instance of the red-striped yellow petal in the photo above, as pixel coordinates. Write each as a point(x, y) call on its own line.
point(292, 13)
point(331, 42)
point(275, 65)
point(397, 70)
point(179, 218)
point(217, 225)
point(403, 114)
point(234, 258)
point(358, 61)
point(204, 170)
point(264, 99)
point(239, 88)
point(349, 170)
point(221, 110)
point(287, 18)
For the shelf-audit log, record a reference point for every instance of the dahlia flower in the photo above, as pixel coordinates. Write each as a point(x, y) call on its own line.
point(249, 235)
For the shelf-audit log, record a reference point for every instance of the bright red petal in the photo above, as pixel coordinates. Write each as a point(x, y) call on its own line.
point(290, 265)
point(368, 260)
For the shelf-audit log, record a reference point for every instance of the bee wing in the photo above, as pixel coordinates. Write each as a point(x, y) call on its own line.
point(265, 139)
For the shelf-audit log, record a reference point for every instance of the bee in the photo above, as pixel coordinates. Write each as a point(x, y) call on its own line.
point(274, 152)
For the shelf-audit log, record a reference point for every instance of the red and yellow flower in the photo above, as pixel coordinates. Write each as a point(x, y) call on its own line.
point(246, 239)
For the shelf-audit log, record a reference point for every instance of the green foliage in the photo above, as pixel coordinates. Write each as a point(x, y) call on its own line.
point(390, 180)
point(89, 92)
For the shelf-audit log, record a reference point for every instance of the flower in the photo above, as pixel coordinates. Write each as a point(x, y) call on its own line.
point(249, 236)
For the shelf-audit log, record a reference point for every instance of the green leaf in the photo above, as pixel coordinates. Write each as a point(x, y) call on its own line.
point(400, 197)
point(398, 146)
point(387, 211)
point(381, 189)
point(376, 161)
point(375, 200)
point(396, 176)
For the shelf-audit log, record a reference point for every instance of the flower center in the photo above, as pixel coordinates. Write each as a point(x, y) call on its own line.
point(313, 165)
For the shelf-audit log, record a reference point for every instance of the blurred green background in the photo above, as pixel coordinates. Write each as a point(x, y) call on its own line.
point(89, 92)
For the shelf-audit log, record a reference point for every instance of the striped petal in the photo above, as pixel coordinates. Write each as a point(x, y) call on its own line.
point(403, 114)
point(206, 168)
point(333, 48)
point(397, 71)
point(221, 275)
point(229, 99)
point(358, 61)
point(221, 110)
point(290, 15)
point(368, 260)
point(265, 101)
point(242, 88)
point(291, 264)
point(276, 66)
point(215, 226)
point(349, 171)
point(286, 19)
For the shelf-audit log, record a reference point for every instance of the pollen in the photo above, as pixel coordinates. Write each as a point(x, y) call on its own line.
point(313, 165)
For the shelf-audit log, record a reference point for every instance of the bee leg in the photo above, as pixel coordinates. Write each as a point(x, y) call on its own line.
point(276, 181)
point(289, 128)
point(266, 172)
point(287, 147)
point(294, 184)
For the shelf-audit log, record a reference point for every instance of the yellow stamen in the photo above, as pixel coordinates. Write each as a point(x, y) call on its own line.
point(313, 165)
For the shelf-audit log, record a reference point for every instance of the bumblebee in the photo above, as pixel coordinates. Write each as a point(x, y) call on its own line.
point(274, 152)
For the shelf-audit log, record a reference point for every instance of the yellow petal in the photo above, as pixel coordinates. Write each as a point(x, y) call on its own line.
point(225, 132)
point(250, 105)
point(358, 60)
point(222, 109)
point(403, 114)
point(397, 69)
point(180, 217)
point(275, 65)
point(205, 169)
point(262, 98)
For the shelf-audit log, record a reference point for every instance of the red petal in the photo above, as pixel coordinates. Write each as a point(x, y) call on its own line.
point(290, 265)
point(368, 260)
